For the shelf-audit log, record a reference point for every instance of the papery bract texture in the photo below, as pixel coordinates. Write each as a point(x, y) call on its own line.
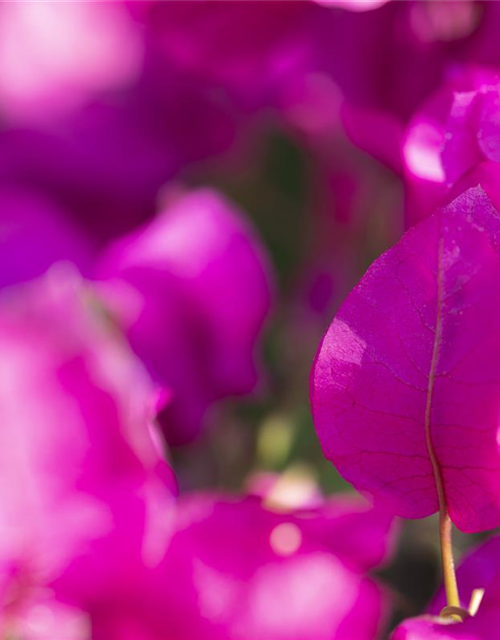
point(244, 571)
point(406, 383)
point(202, 279)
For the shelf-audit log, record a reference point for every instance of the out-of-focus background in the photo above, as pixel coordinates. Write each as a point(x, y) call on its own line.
point(318, 125)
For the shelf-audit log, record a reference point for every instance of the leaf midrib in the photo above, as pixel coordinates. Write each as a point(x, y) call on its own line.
point(430, 387)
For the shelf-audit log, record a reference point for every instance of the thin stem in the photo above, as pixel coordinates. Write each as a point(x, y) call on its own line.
point(450, 578)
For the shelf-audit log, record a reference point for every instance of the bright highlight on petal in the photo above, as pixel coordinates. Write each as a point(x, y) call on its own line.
point(422, 152)
point(285, 539)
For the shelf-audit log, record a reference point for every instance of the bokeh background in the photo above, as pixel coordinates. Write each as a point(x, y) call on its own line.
point(304, 116)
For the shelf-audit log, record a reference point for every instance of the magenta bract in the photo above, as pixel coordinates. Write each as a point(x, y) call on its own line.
point(202, 279)
point(81, 479)
point(454, 132)
point(245, 571)
point(410, 369)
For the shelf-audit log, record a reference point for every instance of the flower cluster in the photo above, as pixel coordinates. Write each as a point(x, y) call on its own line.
point(188, 193)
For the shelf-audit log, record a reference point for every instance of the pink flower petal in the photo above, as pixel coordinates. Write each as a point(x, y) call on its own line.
point(410, 369)
point(203, 279)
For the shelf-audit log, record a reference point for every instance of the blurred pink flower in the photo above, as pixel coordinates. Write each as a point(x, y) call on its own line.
point(243, 49)
point(56, 57)
point(105, 164)
point(41, 617)
point(202, 281)
point(388, 62)
point(85, 493)
point(452, 143)
point(245, 569)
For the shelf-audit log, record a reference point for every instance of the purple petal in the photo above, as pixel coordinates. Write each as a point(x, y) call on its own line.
point(203, 280)
point(244, 571)
point(77, 459)
point(34, 234)
point(410, 368)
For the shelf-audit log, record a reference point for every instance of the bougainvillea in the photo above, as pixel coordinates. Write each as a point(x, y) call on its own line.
point(43, 75)
point(79, 460)
point(189, 193)
point(194, 332)
point(450, 142)
point(405, 384)
point(246, 569)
